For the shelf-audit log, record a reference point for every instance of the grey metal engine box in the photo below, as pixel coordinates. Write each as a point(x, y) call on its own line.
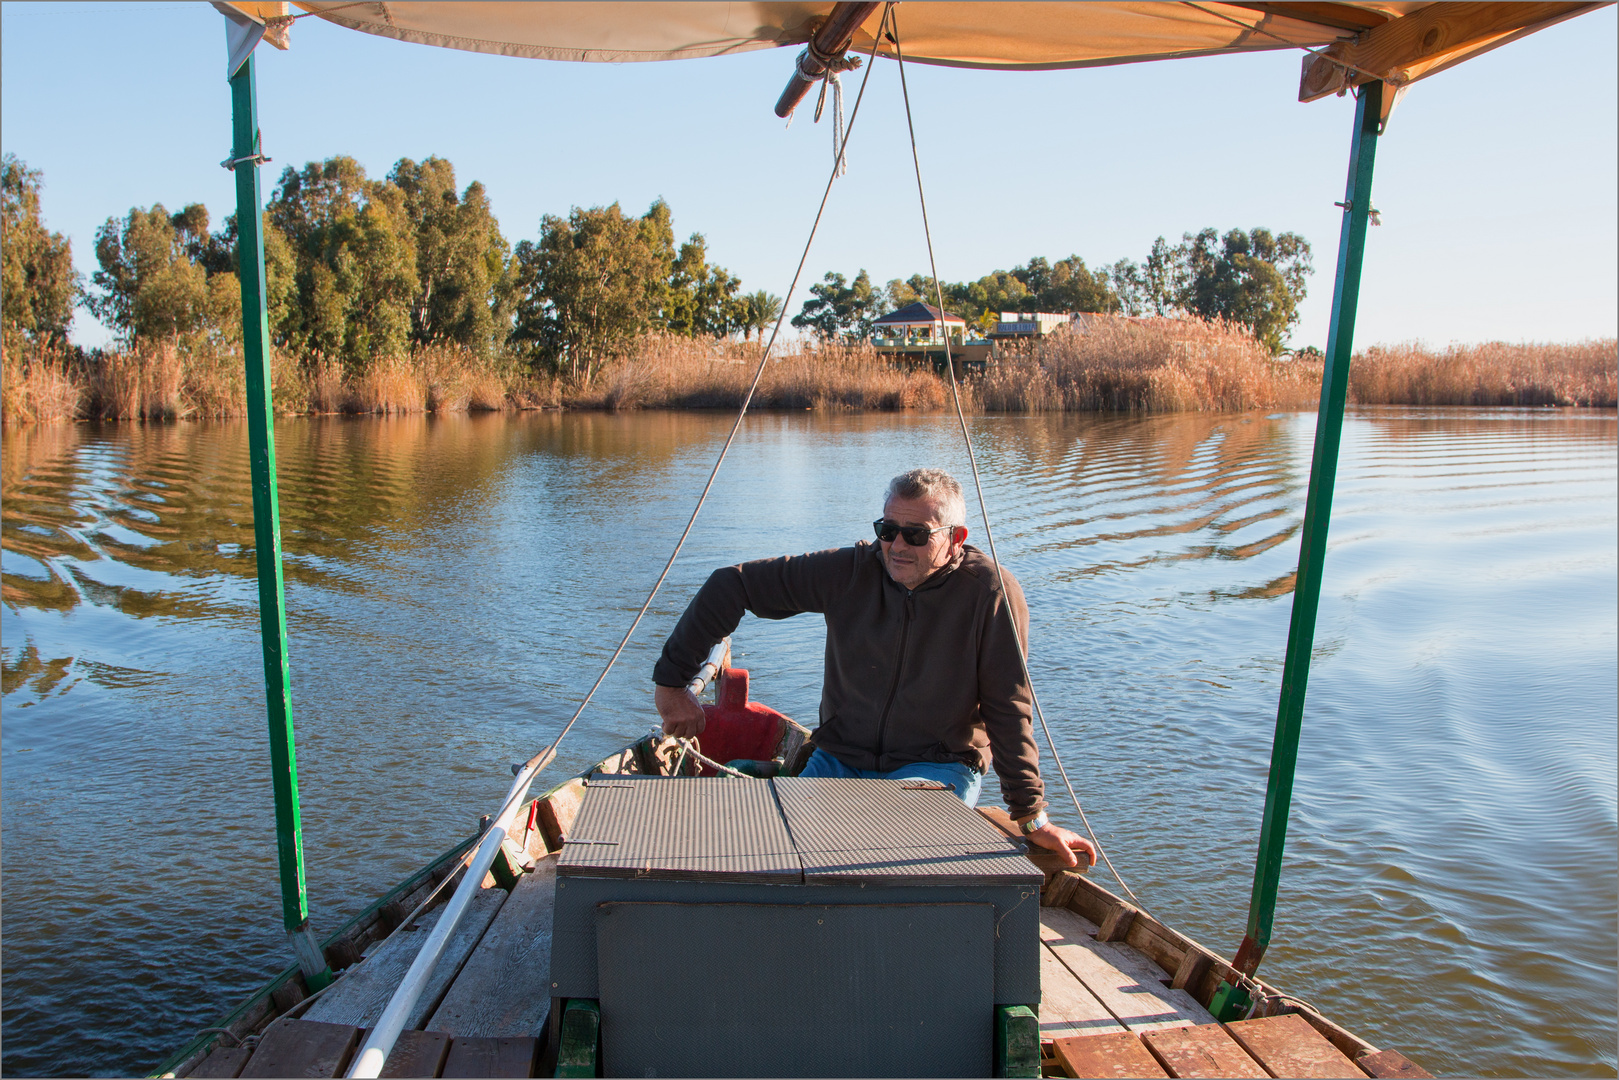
point(792, 927)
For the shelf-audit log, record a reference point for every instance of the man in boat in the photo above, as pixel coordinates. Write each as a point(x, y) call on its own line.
point(923, 677)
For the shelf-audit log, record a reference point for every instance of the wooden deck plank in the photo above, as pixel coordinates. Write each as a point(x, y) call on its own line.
point(1129, 986)
point(476, 1057)
point(363, 991)
point(1066, 1007)
point(225, 1061)
point(503, 989)
point(303, 1048)
point(1115, 1055)
point(1128, 959)
point(417, 1053)
point(1287, 1045)
point(1203, 1051)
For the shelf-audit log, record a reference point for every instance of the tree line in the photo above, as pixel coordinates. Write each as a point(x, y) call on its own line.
point(358, 268)
point(1254, 279)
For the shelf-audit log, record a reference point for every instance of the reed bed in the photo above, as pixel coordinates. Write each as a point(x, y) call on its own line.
point(1110, 365)
point(37, 385)
point(667, 372)
point(204, 379)
point(1146, 365)
point(1584, 373)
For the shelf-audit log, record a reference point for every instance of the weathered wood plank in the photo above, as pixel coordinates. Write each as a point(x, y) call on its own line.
point(478, 1057)
point(1130, 987)
point(558, 811)
point(1288, 1046)
point(1066, 1007)
point(1118, 1055)
point(1203, 1051)
point(417, 1053)
point(362, 993)
point(1059, 889)
point(1117, 923)
point(502, 989)
point(1391, 1063)
point(1189, 972)
point(303, 1048)
point(225, 1061)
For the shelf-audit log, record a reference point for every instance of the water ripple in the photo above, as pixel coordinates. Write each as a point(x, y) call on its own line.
point(453, 585)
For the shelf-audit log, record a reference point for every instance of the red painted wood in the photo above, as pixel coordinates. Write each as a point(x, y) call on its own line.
point(736, 727)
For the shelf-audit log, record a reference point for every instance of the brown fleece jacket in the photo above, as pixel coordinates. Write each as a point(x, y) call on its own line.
point(929, 674)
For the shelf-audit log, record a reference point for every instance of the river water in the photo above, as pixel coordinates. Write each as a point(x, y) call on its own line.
point(454, 585)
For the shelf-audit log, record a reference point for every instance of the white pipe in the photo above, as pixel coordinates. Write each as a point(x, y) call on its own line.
point(375, 1052)
point(368, 1063)
point(718, 658)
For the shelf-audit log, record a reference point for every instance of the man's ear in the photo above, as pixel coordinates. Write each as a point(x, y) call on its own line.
point(958, 535)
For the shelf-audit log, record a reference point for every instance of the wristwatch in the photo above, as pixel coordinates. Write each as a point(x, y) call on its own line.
point(1034, 824)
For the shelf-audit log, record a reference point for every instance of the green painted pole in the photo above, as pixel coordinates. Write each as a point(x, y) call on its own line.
point(1313, 544)
point(267, 525)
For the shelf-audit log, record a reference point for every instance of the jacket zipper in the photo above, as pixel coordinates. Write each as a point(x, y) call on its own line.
point(899, 665)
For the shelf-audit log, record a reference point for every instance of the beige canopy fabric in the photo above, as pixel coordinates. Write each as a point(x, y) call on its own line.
point(1398, 41)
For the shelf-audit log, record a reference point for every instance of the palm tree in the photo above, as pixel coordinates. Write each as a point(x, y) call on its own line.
point(762, 311)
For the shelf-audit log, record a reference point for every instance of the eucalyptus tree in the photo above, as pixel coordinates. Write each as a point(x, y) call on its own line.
point(343, 268)
point(154, 281)
point(593, 282)
point(37, 281)
point(701, 299)
point(1254, 279)
point(463, 288)
point(839, 308)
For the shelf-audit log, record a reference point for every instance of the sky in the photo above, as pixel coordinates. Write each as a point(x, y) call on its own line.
point(1497, 181)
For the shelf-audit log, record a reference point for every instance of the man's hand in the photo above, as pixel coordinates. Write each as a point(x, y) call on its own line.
point(681, 712)
point(1056, 838)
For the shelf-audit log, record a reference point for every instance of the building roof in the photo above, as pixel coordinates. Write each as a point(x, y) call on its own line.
point(917, 314)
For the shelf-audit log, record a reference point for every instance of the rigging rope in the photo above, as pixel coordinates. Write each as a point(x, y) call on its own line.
point(972, 458)
point(747, 399)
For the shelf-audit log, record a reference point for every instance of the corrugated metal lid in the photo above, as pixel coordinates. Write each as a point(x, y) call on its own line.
point(688, 828)
point(895, 832)
point(788, 831)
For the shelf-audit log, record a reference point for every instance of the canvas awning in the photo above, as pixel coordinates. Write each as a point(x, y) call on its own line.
point(1398, 41)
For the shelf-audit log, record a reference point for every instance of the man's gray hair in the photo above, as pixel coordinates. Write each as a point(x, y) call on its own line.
point(935, 485)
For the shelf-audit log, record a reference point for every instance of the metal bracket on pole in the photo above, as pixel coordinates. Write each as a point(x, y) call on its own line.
point(1313, 541)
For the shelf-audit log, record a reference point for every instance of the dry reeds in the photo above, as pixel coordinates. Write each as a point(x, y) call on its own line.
point(1584, 373)
point(36, 384)
point(666, 371)
point(203, 378)
point(1104, 365)
point(1145, 365)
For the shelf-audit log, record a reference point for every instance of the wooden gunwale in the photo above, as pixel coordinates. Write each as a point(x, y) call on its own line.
point(246, 1019)
point(1184, 963)
point(1169, 949)
point(252, 1016)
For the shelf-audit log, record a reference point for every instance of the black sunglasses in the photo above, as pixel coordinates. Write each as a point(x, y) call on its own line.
point(915, 535)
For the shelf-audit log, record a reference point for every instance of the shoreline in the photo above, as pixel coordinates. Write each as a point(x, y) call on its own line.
point(1143, 367)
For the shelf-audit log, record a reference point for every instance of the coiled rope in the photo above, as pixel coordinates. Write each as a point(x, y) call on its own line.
point(972, 458)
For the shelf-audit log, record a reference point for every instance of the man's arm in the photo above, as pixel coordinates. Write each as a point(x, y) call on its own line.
point(771, 589)
point(1006, 704)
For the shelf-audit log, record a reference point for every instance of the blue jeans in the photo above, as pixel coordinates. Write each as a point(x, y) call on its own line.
point(964, 779)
